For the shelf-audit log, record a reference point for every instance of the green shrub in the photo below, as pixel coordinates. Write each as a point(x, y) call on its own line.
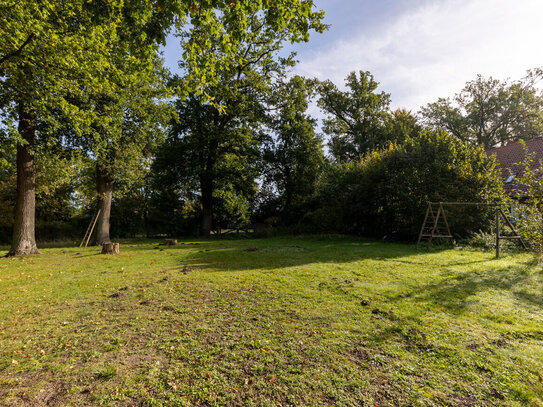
point(530, 188)
point(530, 227)
point(385, 194)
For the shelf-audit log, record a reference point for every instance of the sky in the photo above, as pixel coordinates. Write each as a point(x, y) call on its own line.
point(420, 50)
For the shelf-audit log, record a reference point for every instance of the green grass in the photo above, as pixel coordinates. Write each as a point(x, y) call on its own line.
point(269, 322)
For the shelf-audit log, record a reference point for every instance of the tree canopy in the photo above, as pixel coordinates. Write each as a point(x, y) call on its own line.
point(54, 56)
point(488, 111)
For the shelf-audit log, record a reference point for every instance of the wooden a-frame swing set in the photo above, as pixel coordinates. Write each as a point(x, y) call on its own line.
point(436, 226)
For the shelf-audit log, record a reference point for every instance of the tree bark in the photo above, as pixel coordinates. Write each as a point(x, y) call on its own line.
point(24, 228)
point(104, 187)
point(110, 248)
point(207, 206)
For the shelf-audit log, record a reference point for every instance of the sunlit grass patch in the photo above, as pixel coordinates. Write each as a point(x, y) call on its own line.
point(299, 321)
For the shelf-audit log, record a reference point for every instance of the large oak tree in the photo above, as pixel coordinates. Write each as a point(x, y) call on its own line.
point(53, 53)
point(488, 111)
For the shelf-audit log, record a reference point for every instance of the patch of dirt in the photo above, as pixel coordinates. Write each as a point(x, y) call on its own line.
point(251, 249)
point(464, 401)
point(132, 403)
point(496, 393)
point(50, 394)
point(323, 285)
point(359, 355)
point(500, 343)
point(415, 333)
point(386, 393)
point(377, 311)
point(283, 249)
point(116, 295)
point(31, 391)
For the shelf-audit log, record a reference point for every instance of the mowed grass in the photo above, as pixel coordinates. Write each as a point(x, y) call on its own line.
point(271, 322)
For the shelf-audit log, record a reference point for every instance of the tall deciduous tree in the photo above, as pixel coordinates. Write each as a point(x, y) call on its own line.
point(221, 138)
point(52, 51)
point(41, 57)
point(357, 117)
point(295, 154)
point(488, 111)
point(208, 154)
point(129, 123)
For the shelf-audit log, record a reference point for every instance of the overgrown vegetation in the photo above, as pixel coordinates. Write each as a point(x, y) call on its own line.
point(329, 321)
point(530, 213)
point(386, 193)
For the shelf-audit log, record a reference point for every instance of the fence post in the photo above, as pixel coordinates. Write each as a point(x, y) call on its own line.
point(497, 232)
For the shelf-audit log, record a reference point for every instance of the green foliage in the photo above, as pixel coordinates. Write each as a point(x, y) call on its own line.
point(211, 156)
point(57, 182)
point(488, 111)
point(214, 40)
point(86, 68)
point(130, 123)
point(401, 125)
point(386, 192)
point(294, 153)
point(51, 50)
point(357, 118)
point(530, 210)
point(530, 226)
point(487, 241)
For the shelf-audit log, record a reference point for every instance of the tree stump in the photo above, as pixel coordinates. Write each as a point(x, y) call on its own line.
point(110, 248)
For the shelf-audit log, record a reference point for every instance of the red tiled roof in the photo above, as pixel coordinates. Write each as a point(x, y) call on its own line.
point(511, 155)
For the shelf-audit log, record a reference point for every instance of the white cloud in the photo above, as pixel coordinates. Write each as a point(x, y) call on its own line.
point(433, 50)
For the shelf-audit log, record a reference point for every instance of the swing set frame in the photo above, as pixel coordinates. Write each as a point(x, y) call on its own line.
point(436, 226)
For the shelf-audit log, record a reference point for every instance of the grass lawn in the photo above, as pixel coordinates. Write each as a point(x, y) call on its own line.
point(271, 322)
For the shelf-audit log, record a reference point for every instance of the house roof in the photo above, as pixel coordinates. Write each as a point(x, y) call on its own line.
point(510, 156)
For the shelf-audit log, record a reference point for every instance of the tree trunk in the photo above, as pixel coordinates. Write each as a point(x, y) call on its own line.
point(207, 206)
point(24, 234)
point(104, 187)
point(286, 212)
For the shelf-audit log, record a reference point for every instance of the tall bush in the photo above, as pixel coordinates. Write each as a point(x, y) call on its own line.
point(385, 194)
point(530, 189)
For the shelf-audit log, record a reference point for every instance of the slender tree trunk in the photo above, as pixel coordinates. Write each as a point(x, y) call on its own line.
point(207, 206)
point(24, 235)
point(147, 222)
point(288, 195)
point(104, 187)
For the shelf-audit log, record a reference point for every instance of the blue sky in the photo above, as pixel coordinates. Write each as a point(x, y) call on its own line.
point(420, 50)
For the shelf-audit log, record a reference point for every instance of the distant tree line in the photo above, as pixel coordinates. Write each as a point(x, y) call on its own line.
point(100, 124)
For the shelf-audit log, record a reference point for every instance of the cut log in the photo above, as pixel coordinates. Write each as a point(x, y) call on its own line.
point(110, 248)
point(169, 242)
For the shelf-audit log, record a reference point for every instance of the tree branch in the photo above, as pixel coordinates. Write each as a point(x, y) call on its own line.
point(17, 51)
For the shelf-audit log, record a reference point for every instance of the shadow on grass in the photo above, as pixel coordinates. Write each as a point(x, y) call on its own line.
point(457, 292)
point(267, 254)
point(448, 264)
